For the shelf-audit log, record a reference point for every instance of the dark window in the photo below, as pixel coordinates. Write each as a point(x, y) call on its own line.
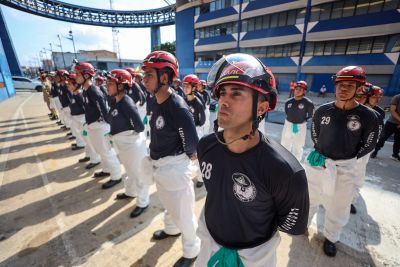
point(349, 7)
point(278, 51)
point(319, 49)
point(329, 47)
point(325, 12)
point(393, 44)
point(270, 51)
point(258, 23)
point(282, 19)
point(266, 22)
point(274, 20)
point(337, 10)
point(301, 13)
point(197, 34)
point(362, 7)
point(365, 46)
point(375, 6)
point(309, 51)
point(314, 13)
point(286, 50)
point(295, 50)
point(379, 44)
point(340, 47)
point(250, 25)
point(352, 48)
point(390, 4)
point(291, 19)
point(245, 24)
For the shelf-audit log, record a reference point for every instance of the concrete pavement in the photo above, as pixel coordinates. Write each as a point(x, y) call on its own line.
point(53, 213)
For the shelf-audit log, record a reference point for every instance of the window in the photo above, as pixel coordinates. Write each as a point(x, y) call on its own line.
point(286, 50)
point(314, 13)
point(245, 24)
point(295, 50)
point(266, 22)
point(197, 11)
point(250, 25)
point(282, 19)
point(212, 6)
point(197, 34)
point(340, 47)
point(390, 4)
point(291, 19)
point(329, 47)
point(393, 44)
point(349, 7)
point(379, 44)
point(325, 11)
point(337, 10)
point(362, 7)
point(278, 51)
point(375, 6)
point(309, 51)
point(258, 23)
point(274, 20)
point(365, 46)
point(352, 48)
point(270, 51)
point(301, 13)
point(319, 49)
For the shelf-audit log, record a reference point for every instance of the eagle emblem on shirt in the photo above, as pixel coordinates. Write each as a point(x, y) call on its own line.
point(243, 188)
point(301, 106)
point(353, 123)
point(114, 113)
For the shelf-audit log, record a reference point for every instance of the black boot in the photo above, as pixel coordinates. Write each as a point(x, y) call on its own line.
point(185, 262)
point(353, 209)
point(110, 183)
point(329, 248)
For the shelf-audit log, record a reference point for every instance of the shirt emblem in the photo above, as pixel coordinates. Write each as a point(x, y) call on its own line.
point(114, 113)
point(353, 123)
point(243, 188)
point(301, 106)
point(160, 122)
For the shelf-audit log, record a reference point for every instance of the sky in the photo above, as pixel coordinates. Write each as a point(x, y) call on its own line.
point(31, 34)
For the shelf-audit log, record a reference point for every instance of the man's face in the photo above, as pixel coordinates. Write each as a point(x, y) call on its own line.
point(361, 99)
point(70, 86)
point(57, 78)
point(175, 84)
point(99, 82)
point(150, 79)
point(111, 87)
point(345, 90)
point(187, 87)
point(298, 91)
point(374, 100)
point(234, 106)
point(79, 78)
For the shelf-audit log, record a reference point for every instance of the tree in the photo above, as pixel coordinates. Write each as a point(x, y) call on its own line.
point(167, 46)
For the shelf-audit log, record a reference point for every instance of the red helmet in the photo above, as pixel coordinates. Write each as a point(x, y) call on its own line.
point(177, 80)
point(191, 79)
point(132, 71)
point(120, 77)
point(350, 73)
point(302, 84)
point(245, 70)
point(203, 82)
point(85, 68)
point(363, 90)
point(71, 78)
point(375, 90)
point(100, 78)
point(160, 60)
point(62, 73)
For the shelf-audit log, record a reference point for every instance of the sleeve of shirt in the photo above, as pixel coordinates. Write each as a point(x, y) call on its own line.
point(201, 114)
point(369, 137)
point(184, 123)
point(292, 204)
point(131, 113)
point(286, 107)
point(310, 110)
point(100, 101)
point(395, 100)
point(315, 127)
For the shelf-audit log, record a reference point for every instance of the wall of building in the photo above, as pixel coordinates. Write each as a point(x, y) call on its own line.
point(6, 84)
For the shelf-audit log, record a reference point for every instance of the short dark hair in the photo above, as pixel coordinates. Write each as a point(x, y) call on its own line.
point(170, 74)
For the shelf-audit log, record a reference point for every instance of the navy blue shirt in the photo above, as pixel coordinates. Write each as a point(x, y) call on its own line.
point(344, 134)
point(206, 97)
point(96, 108)
point(124, 116)
point(136, 93)
point(76, 105)
point(180, 91)
point(197, 110)
point(54, 90)
point(150, 100)
point(172, 129)
point(253, 194)
point(201, 98)
point(299, 111)
point(110, 99)
point(64, 95)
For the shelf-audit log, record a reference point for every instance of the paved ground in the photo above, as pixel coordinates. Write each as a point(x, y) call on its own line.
point(53, 213)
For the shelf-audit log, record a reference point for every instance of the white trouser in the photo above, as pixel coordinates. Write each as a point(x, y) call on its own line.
point(89, 148)
point(175, 190)
point(77, 128)
point(261, 255)
point(131, 148)
point(67, 116)
point(332, 187)
point(294, 142)
point(361, 169)
point(206, 126)
point(57, 105)
point(109, 161)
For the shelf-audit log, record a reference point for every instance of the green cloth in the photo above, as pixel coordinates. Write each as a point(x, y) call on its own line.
point(295, 128)
point(225, 257)
point(145, 121)
point(316, 159)
point(84, 133)
point(108, 135)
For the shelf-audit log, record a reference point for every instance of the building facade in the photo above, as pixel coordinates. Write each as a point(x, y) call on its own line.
point(305, 39)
